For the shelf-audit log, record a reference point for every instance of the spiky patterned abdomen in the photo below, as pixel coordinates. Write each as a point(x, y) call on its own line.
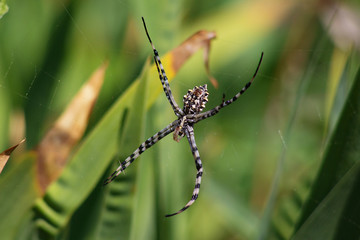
point(195, 99)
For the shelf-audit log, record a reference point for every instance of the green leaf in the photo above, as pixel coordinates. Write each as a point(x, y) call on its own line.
point(337, 215)
point(342, 154)
point(143, 218)
point(108, 209)
point(86, 168)
point(18, 193)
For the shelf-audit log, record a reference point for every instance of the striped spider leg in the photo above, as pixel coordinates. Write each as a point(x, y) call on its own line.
point(194, 102)
point(191, 138)
point(144, 146)
point(163, 77)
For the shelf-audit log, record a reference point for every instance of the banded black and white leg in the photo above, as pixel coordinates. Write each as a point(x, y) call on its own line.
point(163, 78)
point(201, 116)
point(144, 146)
point(178, 112)
point(189, 131)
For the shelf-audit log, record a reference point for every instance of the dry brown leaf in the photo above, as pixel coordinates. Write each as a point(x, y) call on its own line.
point(53, 151)
point(5, 155)
point(185, 50)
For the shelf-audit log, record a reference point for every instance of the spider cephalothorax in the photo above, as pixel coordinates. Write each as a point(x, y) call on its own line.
point(194, 103)
point(195, 99)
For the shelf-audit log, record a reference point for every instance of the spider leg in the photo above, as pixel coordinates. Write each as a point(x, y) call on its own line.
point(191, 138)
point(214, 111)
point(178, 112)
point(163, 77)
point(144, 146)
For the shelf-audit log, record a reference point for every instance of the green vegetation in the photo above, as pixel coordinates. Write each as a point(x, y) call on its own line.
point(282, 162)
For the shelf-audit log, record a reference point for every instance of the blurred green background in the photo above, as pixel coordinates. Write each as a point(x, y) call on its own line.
point(276, 161)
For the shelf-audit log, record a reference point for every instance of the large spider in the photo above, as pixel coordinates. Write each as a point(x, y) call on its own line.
point(194, 103)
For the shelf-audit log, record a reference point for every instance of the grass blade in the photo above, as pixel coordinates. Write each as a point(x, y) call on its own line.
point(341, 155)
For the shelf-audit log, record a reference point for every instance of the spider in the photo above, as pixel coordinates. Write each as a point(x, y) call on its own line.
point(191, 113)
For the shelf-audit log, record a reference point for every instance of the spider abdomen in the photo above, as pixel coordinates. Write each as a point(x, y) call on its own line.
point(195, 99)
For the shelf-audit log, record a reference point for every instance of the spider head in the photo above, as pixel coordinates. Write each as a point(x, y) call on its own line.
point(195, 99)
